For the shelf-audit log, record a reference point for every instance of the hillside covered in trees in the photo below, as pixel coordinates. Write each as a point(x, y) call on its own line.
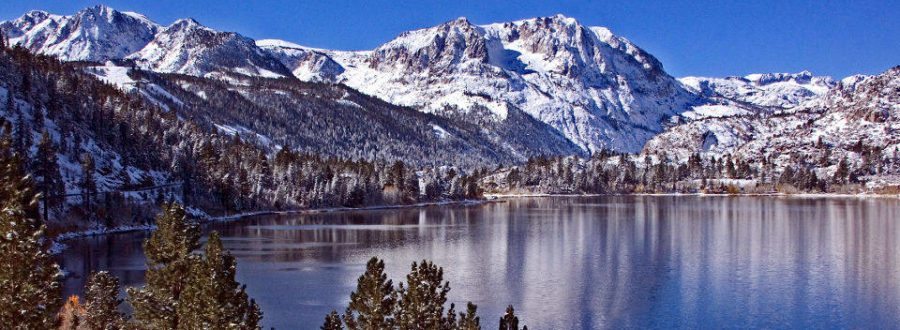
point(106, 157)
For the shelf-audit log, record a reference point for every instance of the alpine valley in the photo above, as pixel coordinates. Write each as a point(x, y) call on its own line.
point(113, 111)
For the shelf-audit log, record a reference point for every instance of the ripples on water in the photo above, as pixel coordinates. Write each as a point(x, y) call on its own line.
point(573, 262)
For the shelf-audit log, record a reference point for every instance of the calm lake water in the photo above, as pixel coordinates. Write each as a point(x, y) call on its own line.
point(576, 262)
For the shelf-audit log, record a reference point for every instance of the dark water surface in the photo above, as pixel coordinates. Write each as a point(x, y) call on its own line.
point(577, 262)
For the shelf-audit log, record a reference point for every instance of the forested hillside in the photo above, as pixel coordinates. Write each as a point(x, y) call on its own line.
point(92, 147)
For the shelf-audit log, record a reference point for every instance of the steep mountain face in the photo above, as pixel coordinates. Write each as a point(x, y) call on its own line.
point(335, 120)
point(101, 33)
point(499, 92)
point(187, 47)
point(780, 90)
point(597, 89)
point(305, 64)
point(858, 120)
point(93, 34)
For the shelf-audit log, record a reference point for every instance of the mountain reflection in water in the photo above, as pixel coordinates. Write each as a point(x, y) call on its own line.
point(576, 262)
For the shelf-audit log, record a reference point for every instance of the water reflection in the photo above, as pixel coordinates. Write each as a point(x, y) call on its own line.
point(601, 262)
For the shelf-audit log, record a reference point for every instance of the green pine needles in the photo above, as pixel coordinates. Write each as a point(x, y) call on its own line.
point(417, 304)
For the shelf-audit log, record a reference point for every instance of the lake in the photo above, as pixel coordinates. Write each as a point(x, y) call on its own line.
point(575, 262)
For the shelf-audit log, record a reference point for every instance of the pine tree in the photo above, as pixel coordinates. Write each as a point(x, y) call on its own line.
point(450, 322)
point(510, 321)
point(169, 261)
point(372, 304)
point(332, 322)
point(212, 298)
point(29, 287)
point(469, 319)
point(37, 119)
point(101, 308)
point(842, 171)
point(421, 301)
point(22, 135)
point(48, 180)
point(88, 183)
point(10, 102)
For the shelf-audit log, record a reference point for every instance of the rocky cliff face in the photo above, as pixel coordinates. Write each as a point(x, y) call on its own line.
point(189, 48)
point(305, 63)
point(93, 34)
point(578, 87)
point(597, 89)
point(778, 90)
point(858, 120)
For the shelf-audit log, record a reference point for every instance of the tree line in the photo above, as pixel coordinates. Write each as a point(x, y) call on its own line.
point(79, 135)
point(608, 172)
point(184, 289)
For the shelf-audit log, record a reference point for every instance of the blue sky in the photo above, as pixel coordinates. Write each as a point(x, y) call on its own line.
point(712, 38)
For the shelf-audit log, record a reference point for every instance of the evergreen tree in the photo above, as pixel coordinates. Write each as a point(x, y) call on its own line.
point(29, 287)
point(212, 298)
point(88, 183)
point(169, 261)
point(450, 322)
point(372, 304)
point(10, 102)
point(842, 171)
point(101, 308)
point(332, 322)
point(469, 319)
point(421, 301)
point(22, 135)
point(510, 321)
point(48, 180)
point(37, 119)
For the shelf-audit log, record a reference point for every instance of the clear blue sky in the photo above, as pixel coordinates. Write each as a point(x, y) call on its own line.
point(712, 38)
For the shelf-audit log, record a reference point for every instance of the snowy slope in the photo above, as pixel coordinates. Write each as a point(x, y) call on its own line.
point(860, 110)
point(305, 63)
point(95, 33)
point(597, 89)
point(100, 33)
point(189, 48)
point(782, 90)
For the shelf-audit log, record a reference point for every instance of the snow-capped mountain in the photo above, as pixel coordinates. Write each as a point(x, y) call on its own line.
point(101, 33)
point(597, 89)
point(781, 90)
point(543, 77)
point(306, 64)
point(94, 34)
point(189, 48)
point(859, 115)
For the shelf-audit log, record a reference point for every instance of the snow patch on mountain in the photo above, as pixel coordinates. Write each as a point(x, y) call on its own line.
point(306, 64)
point(862, 111)
point(597, 89)
point(93, 34)
point(113, 74)
point(187, 47)
point(781, 90)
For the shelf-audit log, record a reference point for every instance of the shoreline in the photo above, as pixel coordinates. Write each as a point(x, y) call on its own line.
point(58, 244)
point(59, 239)
point(802, 195)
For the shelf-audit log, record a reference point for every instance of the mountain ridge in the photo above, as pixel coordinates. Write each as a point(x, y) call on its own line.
point(598, 90)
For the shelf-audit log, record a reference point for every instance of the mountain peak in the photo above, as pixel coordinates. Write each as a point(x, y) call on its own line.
point(461, 20)
point(94, 34)
point(188, 47)
point(98, 9)
point(565, 19)
point(36, 14)
point(186, 23)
